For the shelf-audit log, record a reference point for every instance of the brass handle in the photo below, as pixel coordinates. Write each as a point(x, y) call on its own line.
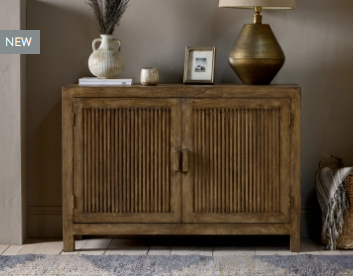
point(175, 160)
point(185, 164)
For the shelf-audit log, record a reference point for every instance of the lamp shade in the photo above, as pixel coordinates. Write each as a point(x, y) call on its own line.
point(265, 4)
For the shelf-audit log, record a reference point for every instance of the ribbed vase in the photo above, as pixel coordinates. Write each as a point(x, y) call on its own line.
point(105, 62)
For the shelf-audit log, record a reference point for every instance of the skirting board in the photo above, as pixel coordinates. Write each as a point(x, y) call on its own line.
point(46, 222)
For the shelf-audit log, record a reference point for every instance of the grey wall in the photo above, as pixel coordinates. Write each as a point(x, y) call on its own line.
point(13, 206)
point(316, 38)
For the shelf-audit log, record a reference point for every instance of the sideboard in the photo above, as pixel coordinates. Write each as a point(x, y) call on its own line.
point(181, 160)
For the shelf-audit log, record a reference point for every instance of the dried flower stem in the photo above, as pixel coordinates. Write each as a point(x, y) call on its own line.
point(108, 13)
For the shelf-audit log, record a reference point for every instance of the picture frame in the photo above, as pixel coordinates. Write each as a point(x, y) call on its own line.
point(199, 65)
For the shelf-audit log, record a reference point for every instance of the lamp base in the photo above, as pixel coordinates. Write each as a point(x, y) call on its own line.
point(256, 56)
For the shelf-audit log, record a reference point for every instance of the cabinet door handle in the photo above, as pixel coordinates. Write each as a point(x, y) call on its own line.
point(185, 165)
point(175, 160)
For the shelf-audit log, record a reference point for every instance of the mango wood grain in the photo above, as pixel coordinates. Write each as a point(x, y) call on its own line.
point(182, 229)
point(181, 160)
point(295, 170)
point(133, 137)
point(182, 91)
point(67, 170)
point(215, 191)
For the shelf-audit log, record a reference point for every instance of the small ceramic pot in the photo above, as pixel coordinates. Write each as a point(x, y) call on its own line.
point(149, 76)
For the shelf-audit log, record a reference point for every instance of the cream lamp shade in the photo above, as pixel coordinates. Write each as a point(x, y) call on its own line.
point(265, 4)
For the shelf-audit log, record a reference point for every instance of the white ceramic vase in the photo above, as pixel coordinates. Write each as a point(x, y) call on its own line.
point(105, 62)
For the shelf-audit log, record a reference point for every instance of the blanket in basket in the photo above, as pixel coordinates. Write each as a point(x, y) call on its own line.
point(332, 196)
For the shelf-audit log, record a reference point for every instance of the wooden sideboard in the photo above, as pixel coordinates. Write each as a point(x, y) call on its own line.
point(181, 160)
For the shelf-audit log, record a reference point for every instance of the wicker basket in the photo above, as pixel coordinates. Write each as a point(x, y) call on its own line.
point(345, 240)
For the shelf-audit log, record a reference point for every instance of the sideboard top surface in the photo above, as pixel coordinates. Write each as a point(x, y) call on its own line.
point(182, 91)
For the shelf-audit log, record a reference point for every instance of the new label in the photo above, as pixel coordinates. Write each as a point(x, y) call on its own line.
point(20, 42)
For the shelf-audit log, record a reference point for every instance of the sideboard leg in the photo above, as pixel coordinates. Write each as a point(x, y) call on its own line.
point(295, 242)
point(69, 243)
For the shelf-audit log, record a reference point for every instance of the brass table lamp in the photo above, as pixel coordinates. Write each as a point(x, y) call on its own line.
point(256, 56)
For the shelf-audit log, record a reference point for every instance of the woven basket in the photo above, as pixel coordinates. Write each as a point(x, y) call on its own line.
point(345, 240)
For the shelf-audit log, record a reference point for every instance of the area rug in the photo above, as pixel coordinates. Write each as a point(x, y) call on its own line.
point(307, 265)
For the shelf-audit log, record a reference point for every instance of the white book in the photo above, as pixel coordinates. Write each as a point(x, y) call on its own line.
point(106, 84)
point(97, 81)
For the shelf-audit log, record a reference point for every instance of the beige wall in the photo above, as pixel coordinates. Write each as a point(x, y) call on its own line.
point(13, 206)
point(316, 39)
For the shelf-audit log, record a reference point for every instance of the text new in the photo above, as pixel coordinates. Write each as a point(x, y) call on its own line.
point(18, 41)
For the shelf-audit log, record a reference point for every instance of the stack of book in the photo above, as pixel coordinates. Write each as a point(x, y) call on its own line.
point(96, 81)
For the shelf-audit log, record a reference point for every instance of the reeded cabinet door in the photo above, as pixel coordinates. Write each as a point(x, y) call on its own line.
point(238, 153)
point(122, 160)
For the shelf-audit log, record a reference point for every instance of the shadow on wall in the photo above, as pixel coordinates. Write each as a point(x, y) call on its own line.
point(311, 218)
point(64, 53)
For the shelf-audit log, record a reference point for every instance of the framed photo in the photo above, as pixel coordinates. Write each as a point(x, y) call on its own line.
point(199, 64)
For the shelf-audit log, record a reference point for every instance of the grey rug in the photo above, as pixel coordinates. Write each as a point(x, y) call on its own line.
point(307, 265)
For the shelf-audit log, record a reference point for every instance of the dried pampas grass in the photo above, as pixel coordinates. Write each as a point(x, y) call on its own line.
point(108, 13)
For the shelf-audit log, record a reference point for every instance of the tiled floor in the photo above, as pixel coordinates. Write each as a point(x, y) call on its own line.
point(171, 246)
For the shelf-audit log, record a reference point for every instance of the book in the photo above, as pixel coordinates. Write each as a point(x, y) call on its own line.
point(97, 81)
